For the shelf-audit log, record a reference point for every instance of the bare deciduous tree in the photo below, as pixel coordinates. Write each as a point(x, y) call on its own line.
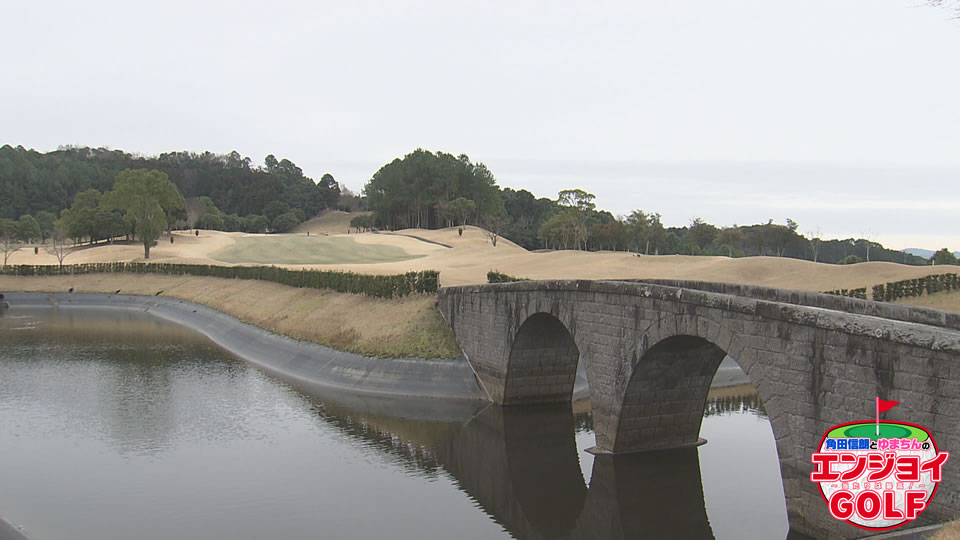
point(8, 239)
point(815, 243)
point(494, 226)
point(58, 244)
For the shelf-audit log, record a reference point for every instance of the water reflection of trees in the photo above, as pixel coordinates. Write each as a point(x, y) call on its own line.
point(737, 403)
point(379, 434)
point(723, 401)
point(133, 382)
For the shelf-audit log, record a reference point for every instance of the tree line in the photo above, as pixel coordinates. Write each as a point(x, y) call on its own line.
point(141, 205)
point(234, 193)
point(436, 190)
point(71, 186)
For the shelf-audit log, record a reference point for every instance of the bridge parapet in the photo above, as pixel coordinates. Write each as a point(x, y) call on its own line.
point(931, 328)
point(898, 312)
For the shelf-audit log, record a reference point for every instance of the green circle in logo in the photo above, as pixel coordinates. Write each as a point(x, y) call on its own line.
point(888, 430)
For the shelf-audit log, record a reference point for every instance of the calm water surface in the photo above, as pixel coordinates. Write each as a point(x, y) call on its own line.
point(122, 426)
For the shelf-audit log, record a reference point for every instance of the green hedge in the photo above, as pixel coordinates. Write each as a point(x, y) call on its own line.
point(496, 277)
point(426, 281)
point(855, 293)
point(895, 290)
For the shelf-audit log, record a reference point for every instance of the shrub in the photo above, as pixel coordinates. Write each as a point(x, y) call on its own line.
point(362, 223)
point(285, 222)
point(895, 290)
point(851, 259)
point(496, 277)
point(853, 293)
point(427, 281)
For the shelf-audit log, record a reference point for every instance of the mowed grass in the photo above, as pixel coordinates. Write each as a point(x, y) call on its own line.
point(302, 249)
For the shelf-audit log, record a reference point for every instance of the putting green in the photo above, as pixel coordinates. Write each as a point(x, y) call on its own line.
point(297, 249)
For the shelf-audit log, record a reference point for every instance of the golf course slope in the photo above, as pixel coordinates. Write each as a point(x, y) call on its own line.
point(466, 259)
point(411, 326)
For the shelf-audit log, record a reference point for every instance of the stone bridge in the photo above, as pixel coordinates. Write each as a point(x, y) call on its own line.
point(651, 348)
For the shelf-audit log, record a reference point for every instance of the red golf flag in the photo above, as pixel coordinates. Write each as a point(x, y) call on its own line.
point(883, 405)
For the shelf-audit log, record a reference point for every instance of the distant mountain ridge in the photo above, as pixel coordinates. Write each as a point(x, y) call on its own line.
point(925, 253)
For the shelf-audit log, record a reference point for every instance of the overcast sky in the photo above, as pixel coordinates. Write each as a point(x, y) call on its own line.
point(840, 114)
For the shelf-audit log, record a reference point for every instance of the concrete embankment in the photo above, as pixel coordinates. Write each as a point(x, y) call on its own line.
point(315, 368)
point(352, 380)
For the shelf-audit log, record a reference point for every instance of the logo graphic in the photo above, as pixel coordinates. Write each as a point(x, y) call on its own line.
point(877, 475)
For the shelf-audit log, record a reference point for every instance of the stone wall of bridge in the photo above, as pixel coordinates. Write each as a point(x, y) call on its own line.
point(651, 349)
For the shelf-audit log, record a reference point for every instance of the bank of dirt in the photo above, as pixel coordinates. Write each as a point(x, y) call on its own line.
point(405, 327)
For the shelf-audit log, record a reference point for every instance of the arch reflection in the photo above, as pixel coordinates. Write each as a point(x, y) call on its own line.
point(522, 467)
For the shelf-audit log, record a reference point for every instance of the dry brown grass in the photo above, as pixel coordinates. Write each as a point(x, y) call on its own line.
point(947, 301)
point(328, 222)
point(410, 326)
point(950, 531)
point(471, 256)
point(732, 391)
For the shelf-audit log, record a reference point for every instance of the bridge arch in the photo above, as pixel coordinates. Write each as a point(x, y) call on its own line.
point(666, 393)
point(542, 365)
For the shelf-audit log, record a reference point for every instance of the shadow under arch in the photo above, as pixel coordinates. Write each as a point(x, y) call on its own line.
point(666, 395)
point(645, 495)
point(520, 464)
point(542, 366)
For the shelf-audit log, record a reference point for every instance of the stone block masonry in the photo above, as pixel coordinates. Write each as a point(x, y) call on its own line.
point(651, 349)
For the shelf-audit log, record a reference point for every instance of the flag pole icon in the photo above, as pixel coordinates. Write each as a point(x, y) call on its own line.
point(884, 405)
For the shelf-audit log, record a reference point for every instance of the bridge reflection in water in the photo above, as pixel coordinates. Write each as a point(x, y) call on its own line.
point(522, 466)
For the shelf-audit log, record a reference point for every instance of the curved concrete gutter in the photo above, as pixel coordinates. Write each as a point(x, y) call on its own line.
point(318, 369)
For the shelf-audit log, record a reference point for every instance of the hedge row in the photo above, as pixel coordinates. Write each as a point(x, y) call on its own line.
point(895, 290)
point(496, 277)
point(380, 286)
point(855, 293)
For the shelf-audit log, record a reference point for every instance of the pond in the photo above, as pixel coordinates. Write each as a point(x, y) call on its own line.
point(114, 424)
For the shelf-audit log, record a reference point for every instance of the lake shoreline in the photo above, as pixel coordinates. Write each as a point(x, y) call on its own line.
point(313, 367)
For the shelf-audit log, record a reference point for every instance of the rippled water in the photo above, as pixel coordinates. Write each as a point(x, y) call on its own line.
point(121, 426)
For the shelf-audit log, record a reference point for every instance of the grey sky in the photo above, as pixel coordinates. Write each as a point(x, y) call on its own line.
point(840, 114)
